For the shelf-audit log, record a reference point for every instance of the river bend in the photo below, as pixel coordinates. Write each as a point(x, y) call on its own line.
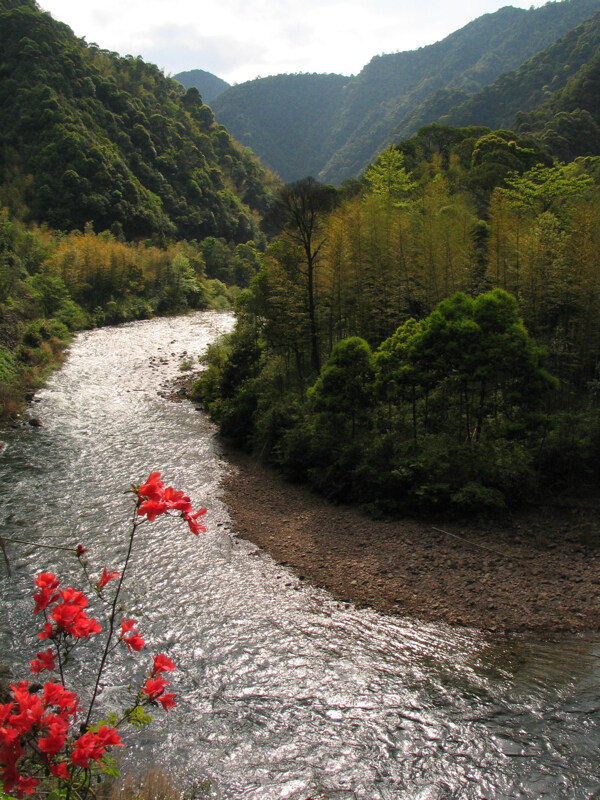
point(282, 692)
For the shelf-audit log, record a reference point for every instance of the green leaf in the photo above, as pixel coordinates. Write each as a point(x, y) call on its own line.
point(138, 717)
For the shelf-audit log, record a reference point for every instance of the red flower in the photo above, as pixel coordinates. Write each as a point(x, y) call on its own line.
point(176, 500)
point(74, 597)
point(154, 687)
point(47, 582)
point(60, 771)
point(26, 785)
point(45, 660)
point(153, 488)
point(57, 736)
point(92, 745)
point(135, 641)
point(70, 617)
point(47, 633)
point(162, 663)
point(80, 550)
point(83, 627)
point(31, 709)
point(56, 695)
point(191, 521)
point(152, 509)
point(167, 700)
point(127, 625)
point(106, 577)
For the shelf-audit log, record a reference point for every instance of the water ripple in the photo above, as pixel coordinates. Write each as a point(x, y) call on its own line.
point(283, 693)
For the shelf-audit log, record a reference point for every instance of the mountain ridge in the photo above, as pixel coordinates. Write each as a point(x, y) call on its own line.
point(89, 136)
point(359, 121)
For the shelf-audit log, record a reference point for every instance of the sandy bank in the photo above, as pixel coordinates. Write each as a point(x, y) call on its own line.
point(541, 575)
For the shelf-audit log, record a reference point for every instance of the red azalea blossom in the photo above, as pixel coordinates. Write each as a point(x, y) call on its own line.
point(74, 597)
point(152, 509)
point(106, 577)
point(84, 627)
point(31, 709)
point(31, 717)
point(47, 583)
point(92, 744)
point(167, 700)
point(56, 695)
point(127, 625)
point(48, 632)
point(35, 725)
point(162, 663)
point(60, 771)
point(153, 488)
point(135, 641)
point(191, 521)
point(70, 617)
point(26, 785)
point(155, 499)
point(54, 742)
point(45, 660)
point(154, 687)
point(176, 500)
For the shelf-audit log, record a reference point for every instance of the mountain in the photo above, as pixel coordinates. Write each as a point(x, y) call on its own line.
point(283, 119)
point(568, 121)
point(87, 136)
point(532, 84)
point(358, 117)
point(209, 85)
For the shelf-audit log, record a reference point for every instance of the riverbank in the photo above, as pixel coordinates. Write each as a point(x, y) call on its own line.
point(538, 572)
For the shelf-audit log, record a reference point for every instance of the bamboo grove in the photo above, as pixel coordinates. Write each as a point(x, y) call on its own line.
point(434, 342)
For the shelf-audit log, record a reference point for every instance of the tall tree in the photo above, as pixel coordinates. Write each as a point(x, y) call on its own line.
point(298, 209)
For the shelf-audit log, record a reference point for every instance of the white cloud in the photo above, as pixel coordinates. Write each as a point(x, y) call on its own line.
point(238, 39)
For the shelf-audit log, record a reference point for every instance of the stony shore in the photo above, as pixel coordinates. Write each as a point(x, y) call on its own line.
point(538, 572)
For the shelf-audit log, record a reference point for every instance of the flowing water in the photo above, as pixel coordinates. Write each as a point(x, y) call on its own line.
point(282, 692)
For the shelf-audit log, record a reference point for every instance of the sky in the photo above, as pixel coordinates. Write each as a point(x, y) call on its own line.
point(239, 40)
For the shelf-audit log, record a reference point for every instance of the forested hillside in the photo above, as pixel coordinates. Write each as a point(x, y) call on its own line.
point(520, 90)
point(568, 122)
point(384, 102)
point(431, 341)
point(209, 85)
point(285, 119)
point(88, 136)
point(120, 196)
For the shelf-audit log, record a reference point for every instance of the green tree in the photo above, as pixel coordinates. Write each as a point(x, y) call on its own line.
point(345, 388)
point(299, 209)
point(388, 178)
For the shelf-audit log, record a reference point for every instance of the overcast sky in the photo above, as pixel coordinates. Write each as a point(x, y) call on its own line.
point(241, 39)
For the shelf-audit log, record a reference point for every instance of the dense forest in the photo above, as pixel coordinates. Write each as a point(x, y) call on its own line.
point(348, 121)
point(209, 85)
point(428, 338)
point(285, 119)
point(54, 283)
point(120, 196)
point(88, 136)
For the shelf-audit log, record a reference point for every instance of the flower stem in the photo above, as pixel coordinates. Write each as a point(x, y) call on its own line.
point(113, 614)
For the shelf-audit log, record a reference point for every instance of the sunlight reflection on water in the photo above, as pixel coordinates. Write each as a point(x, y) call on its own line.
point(282, 692)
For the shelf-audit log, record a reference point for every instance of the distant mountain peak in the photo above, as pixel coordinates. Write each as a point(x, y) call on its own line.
point(209, 85)
point(307, 125)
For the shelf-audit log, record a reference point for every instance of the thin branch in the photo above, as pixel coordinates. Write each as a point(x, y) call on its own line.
point(38, 544)
point(474, 544)
point(5, 554)
point(113, 613)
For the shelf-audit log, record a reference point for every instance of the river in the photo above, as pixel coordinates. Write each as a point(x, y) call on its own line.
point(282, 692)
